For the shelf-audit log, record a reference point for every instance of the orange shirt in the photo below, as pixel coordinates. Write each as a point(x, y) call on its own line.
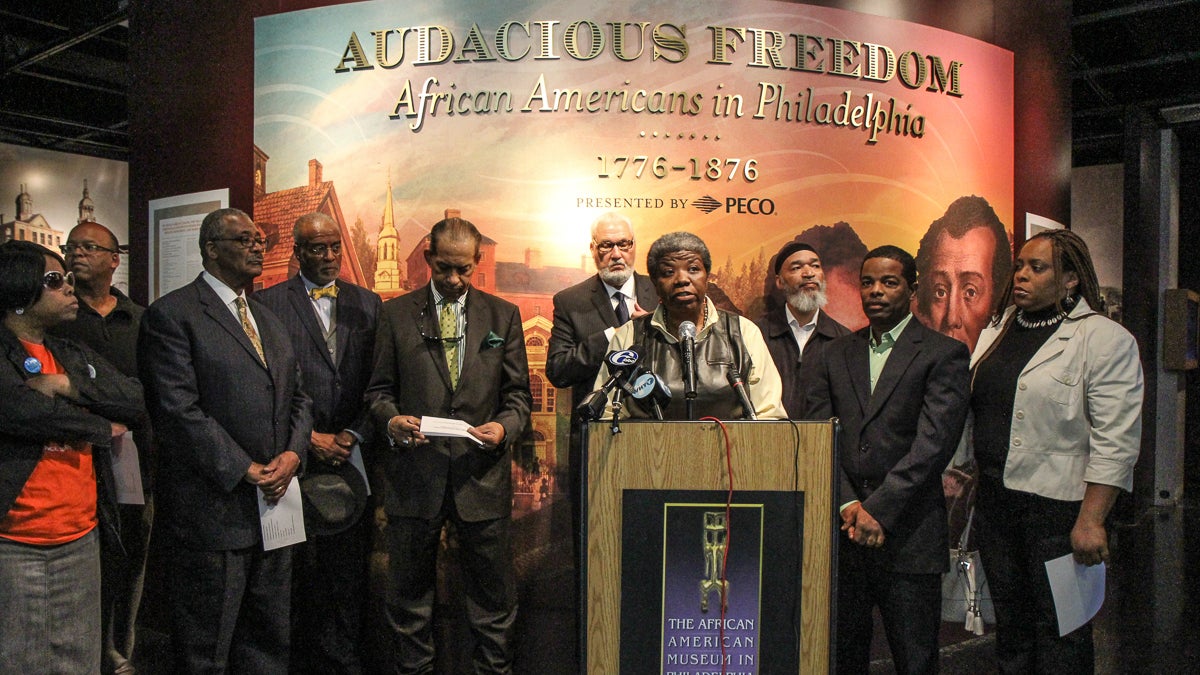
point(58, 503)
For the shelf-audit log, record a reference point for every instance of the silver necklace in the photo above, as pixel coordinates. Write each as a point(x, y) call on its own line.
point(1040, 323)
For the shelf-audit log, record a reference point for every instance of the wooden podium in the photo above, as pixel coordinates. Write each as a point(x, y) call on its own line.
point(641, 578)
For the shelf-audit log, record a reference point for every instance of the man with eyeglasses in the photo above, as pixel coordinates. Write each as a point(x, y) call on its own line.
point(331, 323)
point(585, 317)
point(453, 352)
point(233, 428)
point(108, 323)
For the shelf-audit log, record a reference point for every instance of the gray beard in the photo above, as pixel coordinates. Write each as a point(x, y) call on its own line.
point(804, 302)
point(616, 279)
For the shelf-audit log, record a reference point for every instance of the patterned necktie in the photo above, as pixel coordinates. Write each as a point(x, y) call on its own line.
point(622, 310)
point(448, 325)
point(244, 315)
point(327, 292)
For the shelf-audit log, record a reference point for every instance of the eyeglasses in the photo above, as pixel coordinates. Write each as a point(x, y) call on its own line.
point(69, 248)
point(55, 280)
point(435, 339)
point(245, 241)
point(319, 250)
point(607, 246)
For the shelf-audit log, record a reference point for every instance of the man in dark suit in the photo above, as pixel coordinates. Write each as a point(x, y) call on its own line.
point(450, 351)
point(797, 331)
point(900, 390)
point(232, 422)
point(585, 317)
point(331, 324)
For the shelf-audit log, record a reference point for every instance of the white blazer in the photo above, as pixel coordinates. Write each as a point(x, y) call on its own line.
point(1077, 415)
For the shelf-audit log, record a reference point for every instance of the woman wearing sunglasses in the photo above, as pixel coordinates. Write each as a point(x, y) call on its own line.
point(62, 406)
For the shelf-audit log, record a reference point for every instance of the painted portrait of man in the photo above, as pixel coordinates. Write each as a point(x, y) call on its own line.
point(963, 264)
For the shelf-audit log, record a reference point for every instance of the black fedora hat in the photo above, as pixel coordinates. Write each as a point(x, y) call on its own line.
point(334, 497)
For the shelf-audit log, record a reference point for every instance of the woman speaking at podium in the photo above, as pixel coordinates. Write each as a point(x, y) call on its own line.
point(725, 352)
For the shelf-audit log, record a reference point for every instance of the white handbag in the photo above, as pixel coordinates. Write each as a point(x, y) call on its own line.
point(965, 595)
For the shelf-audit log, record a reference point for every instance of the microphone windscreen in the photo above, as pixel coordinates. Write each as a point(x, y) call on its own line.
point(687, 330)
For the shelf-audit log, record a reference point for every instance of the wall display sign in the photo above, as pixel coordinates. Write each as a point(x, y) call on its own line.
point(174, 238)
point(749, 123)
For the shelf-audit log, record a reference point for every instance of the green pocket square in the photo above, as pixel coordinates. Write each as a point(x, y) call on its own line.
point(492, 341)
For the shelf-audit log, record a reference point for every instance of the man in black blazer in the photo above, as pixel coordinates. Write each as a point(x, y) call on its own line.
point(449, 351)
point(900, 391)
point(797, 330)
point(331, 324)
point(231, 420)
point(585, 318)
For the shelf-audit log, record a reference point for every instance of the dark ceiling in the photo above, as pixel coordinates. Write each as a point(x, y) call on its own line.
point(65, 72)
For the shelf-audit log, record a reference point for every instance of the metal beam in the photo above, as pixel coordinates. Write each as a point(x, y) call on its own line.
point(112, 20)
point(1127, 10)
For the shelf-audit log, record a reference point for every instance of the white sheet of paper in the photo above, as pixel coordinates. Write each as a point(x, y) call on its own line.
point(127, 470)
point(442, 426)
point(356, 461)
point(1078, 591)
point(282, 522)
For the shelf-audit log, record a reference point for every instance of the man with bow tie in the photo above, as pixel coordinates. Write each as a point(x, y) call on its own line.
point(449, 350)
point(331, 324)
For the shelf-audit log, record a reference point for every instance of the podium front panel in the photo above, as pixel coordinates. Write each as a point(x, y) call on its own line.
point(661, 526)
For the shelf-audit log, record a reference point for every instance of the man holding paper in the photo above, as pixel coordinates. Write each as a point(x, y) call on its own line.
point(454, 352)
point(331, 324)
point(232, 424)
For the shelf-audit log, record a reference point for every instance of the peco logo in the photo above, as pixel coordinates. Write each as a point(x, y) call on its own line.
point(744, 205)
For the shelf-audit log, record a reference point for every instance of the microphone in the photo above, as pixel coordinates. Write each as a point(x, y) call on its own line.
point(739, 386)
point(651, 386)
point(620, 364)
point(687, 343)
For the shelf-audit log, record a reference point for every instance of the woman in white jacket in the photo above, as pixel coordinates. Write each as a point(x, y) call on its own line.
point(1056, 399)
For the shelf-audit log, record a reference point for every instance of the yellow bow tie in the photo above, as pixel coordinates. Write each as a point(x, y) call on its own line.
point(327, 292)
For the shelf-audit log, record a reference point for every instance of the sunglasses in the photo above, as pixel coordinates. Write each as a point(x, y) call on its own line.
point(55, 280)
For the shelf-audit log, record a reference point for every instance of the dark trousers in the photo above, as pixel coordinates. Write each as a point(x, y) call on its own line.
point(122, 577)
point(1018, 532)
point(485, 550)
point(910, 605)
point(230, 609)
point(329, 575)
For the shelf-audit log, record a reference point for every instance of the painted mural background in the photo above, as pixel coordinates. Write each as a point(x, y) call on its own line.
point(748, 123)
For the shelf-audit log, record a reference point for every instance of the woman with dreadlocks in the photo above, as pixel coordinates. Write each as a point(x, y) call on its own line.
point(1057, 403)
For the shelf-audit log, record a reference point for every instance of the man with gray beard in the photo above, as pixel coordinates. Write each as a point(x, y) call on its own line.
point(796, 331)
point(585, 317)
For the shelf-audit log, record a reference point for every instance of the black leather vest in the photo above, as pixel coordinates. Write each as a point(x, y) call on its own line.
point(716, 351)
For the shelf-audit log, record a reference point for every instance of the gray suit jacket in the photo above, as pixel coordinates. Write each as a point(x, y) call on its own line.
point(215, 408)
point(577, 343)
point(410, 377)
point(895, 442)
point(336, 388)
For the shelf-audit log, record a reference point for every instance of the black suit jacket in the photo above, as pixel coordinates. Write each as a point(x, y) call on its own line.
point(895, 442)
point(215, 409)
point(336, 388)
point(577, 343)
point(410, 377)
point(786, 355)
point(29, 420)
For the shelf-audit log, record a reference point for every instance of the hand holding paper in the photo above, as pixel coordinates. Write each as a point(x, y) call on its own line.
point(452, 428)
